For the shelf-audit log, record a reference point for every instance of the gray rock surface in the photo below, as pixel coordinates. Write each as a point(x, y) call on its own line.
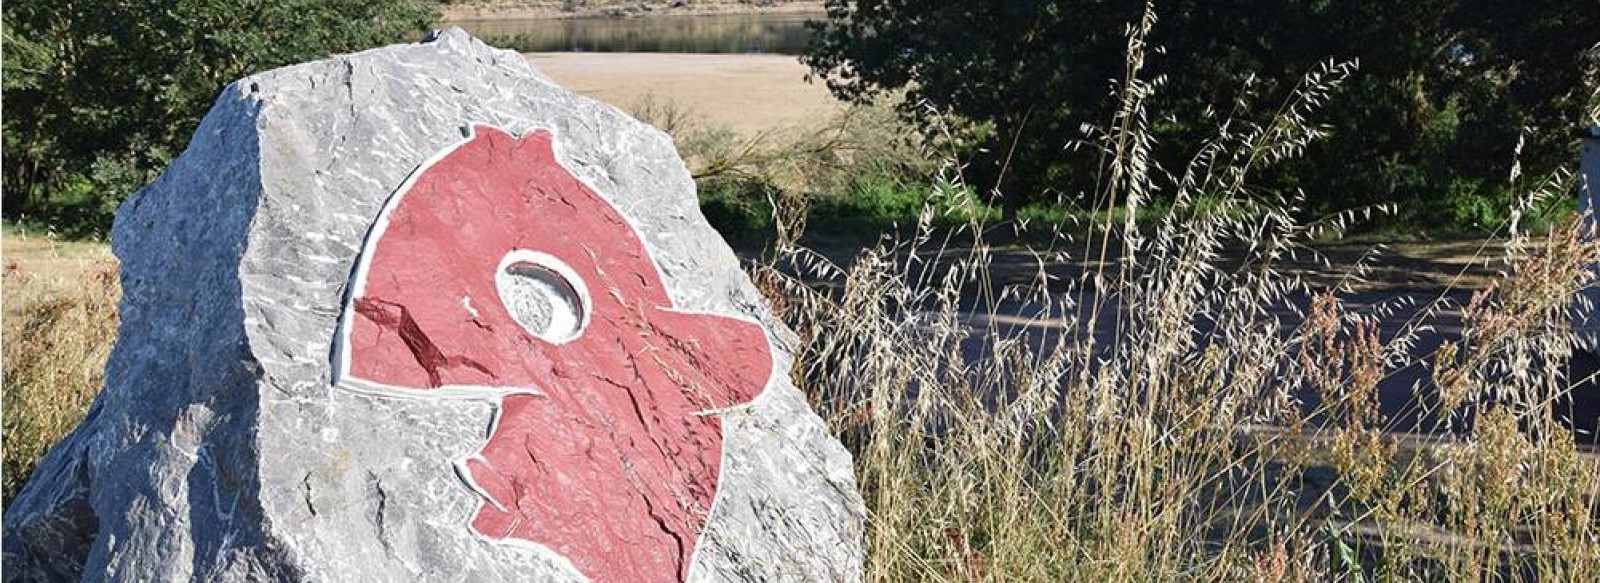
point(220, 451)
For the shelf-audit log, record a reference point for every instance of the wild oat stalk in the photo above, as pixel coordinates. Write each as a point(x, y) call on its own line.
point(1157, 419)
point(56, 341)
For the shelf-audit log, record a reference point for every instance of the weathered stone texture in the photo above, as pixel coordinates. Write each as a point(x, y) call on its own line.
point(221, 450)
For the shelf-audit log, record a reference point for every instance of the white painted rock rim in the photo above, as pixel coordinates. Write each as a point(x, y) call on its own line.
point(220, 450)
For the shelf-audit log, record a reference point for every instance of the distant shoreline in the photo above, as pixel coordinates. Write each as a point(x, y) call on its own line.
point(503, 10)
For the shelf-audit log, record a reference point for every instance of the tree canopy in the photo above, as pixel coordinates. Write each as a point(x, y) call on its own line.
point(101, 94)
point(1450, 93)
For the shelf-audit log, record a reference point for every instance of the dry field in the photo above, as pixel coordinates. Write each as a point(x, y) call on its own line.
point(546, 9)
point(749, 93)
point(1149, 457)
point(59, 322)
point(49, 260)
point(1204, 436)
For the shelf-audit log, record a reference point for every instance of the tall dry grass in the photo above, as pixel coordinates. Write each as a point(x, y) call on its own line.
point(55, 340)
point(1153, 419)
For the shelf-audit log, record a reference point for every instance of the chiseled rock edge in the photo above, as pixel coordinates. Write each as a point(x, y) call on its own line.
point(220, 452)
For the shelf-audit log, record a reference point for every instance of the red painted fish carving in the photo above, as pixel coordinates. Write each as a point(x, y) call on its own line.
point(607, 449)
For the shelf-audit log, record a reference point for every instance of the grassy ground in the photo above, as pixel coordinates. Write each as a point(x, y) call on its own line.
point(47, 259)
point(60, 319)
point(1171, 428)
point(1198, 442)
point(1155, 457)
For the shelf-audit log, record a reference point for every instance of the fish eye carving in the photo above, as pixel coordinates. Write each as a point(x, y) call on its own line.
point(544, 295)
point(494, 273)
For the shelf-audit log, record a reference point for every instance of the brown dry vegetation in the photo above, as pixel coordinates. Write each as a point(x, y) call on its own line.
point(751, 94)
point(60, 319)
point(1199, 441)
point(1183, 451)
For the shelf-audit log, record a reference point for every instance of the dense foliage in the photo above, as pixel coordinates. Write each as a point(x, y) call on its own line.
point(101, 94)
point(1449, 97)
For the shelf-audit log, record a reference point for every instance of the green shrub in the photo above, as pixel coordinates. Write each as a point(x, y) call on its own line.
point(736, 206)
point(1154, 420)
point(1448, 89)
point(873, 198)
point(102, 94)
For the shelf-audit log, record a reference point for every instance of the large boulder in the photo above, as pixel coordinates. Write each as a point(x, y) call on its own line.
point(419, 314)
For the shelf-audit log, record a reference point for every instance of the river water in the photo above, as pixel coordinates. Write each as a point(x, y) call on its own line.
point(779, 33)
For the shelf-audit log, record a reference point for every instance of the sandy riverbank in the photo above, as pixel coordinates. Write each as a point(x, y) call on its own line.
point(555, 9)
point(750, 93)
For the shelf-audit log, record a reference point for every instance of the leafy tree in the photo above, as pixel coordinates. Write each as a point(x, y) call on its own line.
point(1448, 92)
point(1028, 69)
point(101, 94)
